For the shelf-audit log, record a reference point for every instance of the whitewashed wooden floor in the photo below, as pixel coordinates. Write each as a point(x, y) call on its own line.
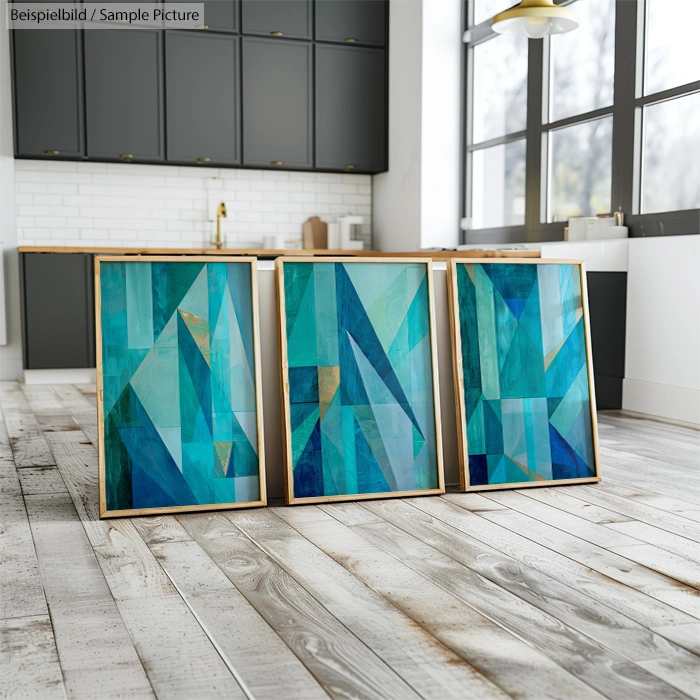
point(573, 592)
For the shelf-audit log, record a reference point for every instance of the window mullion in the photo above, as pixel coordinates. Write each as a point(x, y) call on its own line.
point(626, 150)
point(533, 154)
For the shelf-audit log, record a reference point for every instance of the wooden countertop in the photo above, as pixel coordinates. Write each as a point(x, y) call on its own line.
point(256, 252)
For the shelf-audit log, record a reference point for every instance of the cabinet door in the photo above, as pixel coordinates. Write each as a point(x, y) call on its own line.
point(352, 21)
point(350, 109)
point(58, 306)
point(48, 88)
point(282, 18)
point(124, 94)
point(219, 15)
point(277, 103)
point(202, 97)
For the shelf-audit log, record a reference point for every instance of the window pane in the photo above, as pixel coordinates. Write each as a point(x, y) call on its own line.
point(500, 87)
point(580, 167)
point(498, 186)
point(583, 61)
point(673, 49)
point(671, 164)
point(485, 9)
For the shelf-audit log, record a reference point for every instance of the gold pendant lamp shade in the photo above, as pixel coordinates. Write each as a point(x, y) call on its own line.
point(535, 19)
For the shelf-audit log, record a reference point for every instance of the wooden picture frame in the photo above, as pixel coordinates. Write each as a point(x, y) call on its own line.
point(459, 378)
point(293, 499)
point(100, 261)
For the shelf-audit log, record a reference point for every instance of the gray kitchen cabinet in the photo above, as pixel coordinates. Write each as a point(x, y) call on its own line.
point(219, 15)
point(352, 21)
point(202, 103)
point(291, 19)
point(124, 94)
point(277, 103)
point(48, 92)
point(351, 109)
point(58, 311)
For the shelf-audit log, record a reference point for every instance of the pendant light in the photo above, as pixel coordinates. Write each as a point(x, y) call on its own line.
point(535, 19)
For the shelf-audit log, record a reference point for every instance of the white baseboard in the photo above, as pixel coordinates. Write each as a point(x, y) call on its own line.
point(59, 376)
point(669, 402)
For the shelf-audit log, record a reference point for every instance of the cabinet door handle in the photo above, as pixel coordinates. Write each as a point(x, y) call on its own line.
point(351, 41)
point(350, 167)
point(203, 160)
point(51, 153)
point(276, 33)
point(276, 162)
point(126, 156)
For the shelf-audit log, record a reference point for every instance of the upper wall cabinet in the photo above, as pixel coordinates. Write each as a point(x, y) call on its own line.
point(48, 89)
point(351, 109)
point(219, 15)
point(277, 103)
point(124, 94)
point(202, 97)
point(281, 18)
point(352, 21)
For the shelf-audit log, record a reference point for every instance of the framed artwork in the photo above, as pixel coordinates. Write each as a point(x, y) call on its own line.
point(359, 379)
point(178, 384)
point(523, 373)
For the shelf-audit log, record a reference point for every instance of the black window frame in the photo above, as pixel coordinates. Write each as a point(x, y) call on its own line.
point(627, 138)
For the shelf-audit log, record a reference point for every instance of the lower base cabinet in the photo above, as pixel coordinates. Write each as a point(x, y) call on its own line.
point(607, 301)
point(58, 310)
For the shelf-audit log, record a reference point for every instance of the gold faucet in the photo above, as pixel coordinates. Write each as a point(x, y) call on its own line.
point(221, 211)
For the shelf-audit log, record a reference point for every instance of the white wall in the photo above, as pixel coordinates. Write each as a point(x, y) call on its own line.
point(662, 362)
point(126, 204)
point(397, 193)
point(417, 202)
point(10, 354)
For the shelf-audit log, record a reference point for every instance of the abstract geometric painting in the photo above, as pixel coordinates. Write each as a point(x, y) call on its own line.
point(178, 377)
point(359, 379)
point(523, 374)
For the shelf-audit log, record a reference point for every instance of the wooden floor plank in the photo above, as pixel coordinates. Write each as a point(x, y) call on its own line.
point(431, 669)
point(26, 438)
point(21, 590)
point(245, 640)
point(42, 399)
point(94, 647)
point(563, 499)
point(650, 474)
point(654, 500)
point(627, 600)
point(609, 637)
point(675, 544)
point(663, 588)
point(29, 666)
point(647, 555)
point(637, 510)
point(36, 480)
point(179, 658)
point(338, 660)
point(462, 624)
point(158, 529)
point(660, 446)
point(73, 400)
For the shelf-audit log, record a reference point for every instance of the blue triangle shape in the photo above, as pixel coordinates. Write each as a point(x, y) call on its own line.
point(516, 306)
point(369, 476)
point(566, 464)
point(353, 319)
point(308, 471)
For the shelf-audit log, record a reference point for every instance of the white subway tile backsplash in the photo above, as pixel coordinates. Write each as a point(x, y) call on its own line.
point(120, 204)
